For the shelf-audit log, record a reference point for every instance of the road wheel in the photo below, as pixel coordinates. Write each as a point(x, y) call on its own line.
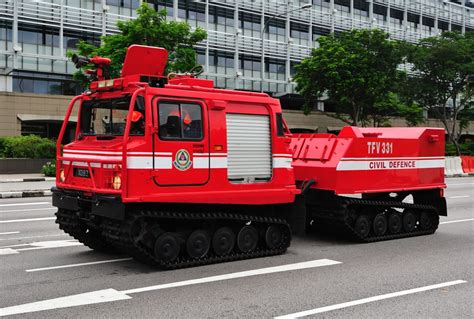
point(379, 225)
point(394, 223)
point(223, 241)
point(198, 243)
point(247, 239)
point(426, 221)
point(409, 221)
point(273, 237)
point(167, 247)
point(362, 226)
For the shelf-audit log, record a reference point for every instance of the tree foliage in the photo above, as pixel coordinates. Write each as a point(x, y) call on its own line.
point(357, 71)
point(149, 28)
point(443, 79)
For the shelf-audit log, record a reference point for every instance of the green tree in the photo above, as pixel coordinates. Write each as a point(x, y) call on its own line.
point(149, 28)
point(443, 79)
point(357, 71)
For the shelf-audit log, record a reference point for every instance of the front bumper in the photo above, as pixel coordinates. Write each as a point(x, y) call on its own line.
point(96, 204)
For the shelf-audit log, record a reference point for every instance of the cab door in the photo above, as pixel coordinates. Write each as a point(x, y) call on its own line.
point(181, 145)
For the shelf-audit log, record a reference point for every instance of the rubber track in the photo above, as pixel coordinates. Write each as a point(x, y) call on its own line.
point(346, 203)
point(70, 224)
point(120, 234)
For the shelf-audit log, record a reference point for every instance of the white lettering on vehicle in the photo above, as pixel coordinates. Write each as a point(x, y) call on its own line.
point(379, 147)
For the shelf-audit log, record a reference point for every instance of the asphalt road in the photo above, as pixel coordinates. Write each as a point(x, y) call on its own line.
point(421, 277)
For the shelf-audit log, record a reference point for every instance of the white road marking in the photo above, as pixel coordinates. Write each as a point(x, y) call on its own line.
point(249, 273)
point(79, 265)
point(9, 233)
point(108, 295)
point(449, 184)
point(40, 245)
point(31, 237)
point(457, 221)
point(460, 196)
point(370, 299)
point(7, 251)
point(25, 204)
point(87, 298)
point(26, 210)
point(26, 220)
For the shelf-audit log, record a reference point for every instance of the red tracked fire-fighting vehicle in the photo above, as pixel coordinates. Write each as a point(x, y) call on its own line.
point(178, 173)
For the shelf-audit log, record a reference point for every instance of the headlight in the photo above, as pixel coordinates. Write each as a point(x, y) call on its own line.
point(116, 182)
point(62, 177)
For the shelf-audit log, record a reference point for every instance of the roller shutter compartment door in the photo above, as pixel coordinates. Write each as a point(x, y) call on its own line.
point(249, 154)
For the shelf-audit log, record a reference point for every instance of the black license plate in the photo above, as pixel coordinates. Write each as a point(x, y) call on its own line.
point(81, 172)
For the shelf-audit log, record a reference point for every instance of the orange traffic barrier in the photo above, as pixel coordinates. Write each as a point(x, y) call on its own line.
point(468, 164)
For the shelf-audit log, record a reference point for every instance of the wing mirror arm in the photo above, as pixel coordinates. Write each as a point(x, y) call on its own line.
point(153, 130)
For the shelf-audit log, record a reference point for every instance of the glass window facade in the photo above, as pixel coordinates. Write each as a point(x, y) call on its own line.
point(46, 31)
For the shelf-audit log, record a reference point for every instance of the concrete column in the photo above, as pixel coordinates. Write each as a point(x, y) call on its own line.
point(332, 13)
point(464, 9)
point(104, 17)
point(288, 44)
point(371, 13)
point(388, 15)
point(236, 52)
point(61, 29)
point(310, 28)
point(206, 64)
point(175, 10)
point(262, 58)
point(351, 9)
point(450, 20)
point(16, 47)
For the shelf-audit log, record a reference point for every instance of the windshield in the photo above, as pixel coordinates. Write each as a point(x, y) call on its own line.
point(108, 117)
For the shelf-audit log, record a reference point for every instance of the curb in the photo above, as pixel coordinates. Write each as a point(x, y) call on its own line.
point(32, 179)
point(20, 194)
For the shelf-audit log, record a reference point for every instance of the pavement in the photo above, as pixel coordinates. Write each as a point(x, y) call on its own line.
point(25, 185)
point(46, 274)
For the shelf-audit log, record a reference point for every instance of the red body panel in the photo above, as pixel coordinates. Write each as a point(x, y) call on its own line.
point(144, 180)
point(369, 160)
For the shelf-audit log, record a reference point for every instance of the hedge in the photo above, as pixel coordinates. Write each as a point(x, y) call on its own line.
point(466, 149)
point(30, 146)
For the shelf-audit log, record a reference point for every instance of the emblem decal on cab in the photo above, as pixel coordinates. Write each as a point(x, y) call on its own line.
point(182, 160)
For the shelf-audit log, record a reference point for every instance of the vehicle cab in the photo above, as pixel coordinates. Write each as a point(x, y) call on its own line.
point(144, 137)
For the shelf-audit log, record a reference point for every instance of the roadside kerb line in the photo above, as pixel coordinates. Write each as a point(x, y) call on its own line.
point(456, 221)
point(370, 299)
point(108, 295)
point(26, 220)
point(25, 204)
point(79, 265)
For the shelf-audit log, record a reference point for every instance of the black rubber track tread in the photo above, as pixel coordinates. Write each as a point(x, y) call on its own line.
point(143, 253)
point(118, 235)
point(71, 225)
point(345, 204)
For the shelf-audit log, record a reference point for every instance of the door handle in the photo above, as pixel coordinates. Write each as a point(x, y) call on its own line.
point(198, 148)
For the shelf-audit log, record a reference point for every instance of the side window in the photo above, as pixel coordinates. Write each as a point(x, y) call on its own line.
point(279, 125)
point(180, 121)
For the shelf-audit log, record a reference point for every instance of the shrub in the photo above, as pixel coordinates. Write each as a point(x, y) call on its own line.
point(49, 169)
point(30, 146)
point(466, 149)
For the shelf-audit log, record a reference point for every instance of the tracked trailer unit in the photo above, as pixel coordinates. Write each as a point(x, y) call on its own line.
point(178, 173)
